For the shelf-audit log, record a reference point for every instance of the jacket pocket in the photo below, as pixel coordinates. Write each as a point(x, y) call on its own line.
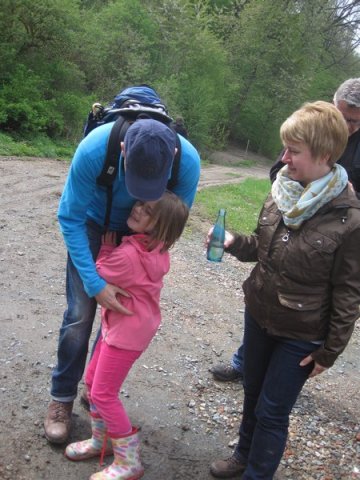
point(309, 259)
point(320, 242)
point(300, 302)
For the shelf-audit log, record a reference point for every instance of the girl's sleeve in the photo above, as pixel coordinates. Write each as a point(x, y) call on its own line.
point(115, 264)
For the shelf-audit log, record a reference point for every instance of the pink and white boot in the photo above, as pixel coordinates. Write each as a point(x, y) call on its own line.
point(126, 464)
point(93, 447)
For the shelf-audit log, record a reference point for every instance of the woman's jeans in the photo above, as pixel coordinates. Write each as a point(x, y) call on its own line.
point(76, 327)
point(237, 361)
point(273, 380)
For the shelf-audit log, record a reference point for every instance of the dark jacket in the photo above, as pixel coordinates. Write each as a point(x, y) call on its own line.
point(350, 160)
point(308, 287)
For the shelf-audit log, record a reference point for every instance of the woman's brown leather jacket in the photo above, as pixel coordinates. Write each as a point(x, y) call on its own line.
point(306, 283)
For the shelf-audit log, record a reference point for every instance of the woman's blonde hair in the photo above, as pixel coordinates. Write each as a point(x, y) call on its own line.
point(168, 219)
point(320, 126)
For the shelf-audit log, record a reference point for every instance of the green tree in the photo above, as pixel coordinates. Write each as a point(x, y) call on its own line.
point(226, 66)
point(166, 44)
point(277, 49)
point(192, 69)
point(39, 73)
point(116, 47)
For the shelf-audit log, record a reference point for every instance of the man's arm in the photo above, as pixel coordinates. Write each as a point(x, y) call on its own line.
point(72, 213)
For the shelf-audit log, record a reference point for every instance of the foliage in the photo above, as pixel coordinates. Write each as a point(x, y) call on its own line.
point(242, 202)
point(39, 146)
point(278, 50)
point(116, 47)
point(41, 82)
point(231, 68)
point(193, 71)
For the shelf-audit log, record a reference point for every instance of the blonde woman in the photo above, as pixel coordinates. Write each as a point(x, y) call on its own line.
point(302, 297)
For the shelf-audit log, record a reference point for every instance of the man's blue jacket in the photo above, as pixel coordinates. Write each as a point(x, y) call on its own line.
point(84, 200)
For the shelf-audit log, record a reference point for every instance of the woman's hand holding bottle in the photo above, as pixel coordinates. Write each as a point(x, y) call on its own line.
point(229, 238)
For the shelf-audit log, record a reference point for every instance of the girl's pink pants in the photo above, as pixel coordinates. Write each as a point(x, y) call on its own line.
point(105, 374)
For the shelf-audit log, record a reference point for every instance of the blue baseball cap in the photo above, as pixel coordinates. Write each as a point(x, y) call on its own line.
point(149, 154)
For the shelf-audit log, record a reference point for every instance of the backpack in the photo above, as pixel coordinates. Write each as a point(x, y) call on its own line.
point(129, 105)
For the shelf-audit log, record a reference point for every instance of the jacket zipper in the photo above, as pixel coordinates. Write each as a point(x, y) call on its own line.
point(286, 236)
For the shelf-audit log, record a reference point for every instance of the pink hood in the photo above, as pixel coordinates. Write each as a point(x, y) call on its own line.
point(155, 264)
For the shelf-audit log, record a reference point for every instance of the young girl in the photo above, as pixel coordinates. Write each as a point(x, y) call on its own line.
point(137, 265)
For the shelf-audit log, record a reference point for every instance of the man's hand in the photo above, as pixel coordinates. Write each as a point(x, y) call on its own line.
point(317, 367)
point(107, 298)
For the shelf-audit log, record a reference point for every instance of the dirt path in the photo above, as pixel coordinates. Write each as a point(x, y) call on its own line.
point(187, 419)
point(233, 166)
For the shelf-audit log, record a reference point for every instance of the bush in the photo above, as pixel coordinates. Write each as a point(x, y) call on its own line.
point(39, 146)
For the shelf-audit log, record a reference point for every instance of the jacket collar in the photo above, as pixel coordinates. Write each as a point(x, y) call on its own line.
point(346, 199)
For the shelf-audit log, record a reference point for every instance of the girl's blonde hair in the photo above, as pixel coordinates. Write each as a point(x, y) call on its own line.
point(320, 126)
point(169, 217)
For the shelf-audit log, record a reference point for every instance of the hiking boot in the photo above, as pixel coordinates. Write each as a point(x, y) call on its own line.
point(58, 421)
point(226, 373)
point(228, 468)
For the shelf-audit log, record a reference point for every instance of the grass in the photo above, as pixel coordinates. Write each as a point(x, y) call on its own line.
point(242, 202)
point(40, 146)
point(244, 163)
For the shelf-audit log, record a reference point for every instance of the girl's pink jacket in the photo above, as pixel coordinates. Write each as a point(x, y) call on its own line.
point(140, 272)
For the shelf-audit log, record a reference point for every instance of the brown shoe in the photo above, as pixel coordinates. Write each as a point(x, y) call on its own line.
point(231, 467)
point(58, 421)
point(226, 373)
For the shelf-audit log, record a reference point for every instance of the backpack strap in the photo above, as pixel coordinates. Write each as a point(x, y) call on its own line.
point(173, 180)
point(109, 196)
point(111, 164)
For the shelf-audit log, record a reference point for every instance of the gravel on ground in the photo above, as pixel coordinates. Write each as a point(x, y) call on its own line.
point(187, 419)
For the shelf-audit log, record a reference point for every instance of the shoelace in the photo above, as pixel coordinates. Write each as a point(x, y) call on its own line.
point(233, 460)
point(60, 414)
point(102, 455)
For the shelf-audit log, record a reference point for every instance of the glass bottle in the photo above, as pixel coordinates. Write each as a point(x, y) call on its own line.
point(215, 248)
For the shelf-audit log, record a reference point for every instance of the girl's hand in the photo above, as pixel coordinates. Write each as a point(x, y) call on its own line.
point(109, 238)
point(317, 367)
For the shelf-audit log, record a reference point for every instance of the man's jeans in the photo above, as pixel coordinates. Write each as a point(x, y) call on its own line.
point(76, 327)
point(273, 380)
